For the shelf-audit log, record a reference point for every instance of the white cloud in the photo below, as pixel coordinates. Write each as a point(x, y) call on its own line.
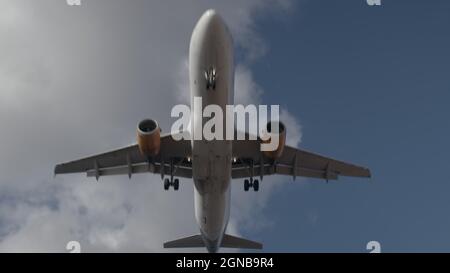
point(75, 81)
point(247, 91)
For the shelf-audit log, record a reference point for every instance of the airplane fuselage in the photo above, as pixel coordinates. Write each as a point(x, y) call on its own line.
point(211, 56)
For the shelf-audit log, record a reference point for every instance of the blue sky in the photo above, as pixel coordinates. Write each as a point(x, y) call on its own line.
point(370, 85)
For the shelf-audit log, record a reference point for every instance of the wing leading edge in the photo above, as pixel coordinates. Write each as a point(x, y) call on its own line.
point(128, 160)
point(250, 162)
point(293, 162)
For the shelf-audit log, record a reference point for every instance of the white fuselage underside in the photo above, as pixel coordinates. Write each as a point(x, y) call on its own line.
point(211, 47)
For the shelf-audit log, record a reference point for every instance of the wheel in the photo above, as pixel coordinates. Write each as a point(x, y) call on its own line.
point(166, 184)
point(246, 185)
point(256, 185)
point(176, 184)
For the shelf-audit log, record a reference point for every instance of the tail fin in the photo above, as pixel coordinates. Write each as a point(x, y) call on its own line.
point(228, 241)
point(236, 242)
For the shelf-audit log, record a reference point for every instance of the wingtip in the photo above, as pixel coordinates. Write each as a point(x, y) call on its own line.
point(55, 170)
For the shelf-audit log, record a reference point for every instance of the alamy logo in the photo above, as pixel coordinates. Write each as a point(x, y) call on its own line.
point(374, 2)
point(221, 126)
point(73, 2)
point(73, 247)
point(374, 247)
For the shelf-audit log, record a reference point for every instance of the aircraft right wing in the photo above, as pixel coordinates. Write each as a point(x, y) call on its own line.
point(250, 161)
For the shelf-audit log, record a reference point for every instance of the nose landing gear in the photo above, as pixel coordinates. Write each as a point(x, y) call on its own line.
point(210, 76)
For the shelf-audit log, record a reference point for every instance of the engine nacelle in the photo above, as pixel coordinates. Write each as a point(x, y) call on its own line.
point(149, 137)
point(276, 153)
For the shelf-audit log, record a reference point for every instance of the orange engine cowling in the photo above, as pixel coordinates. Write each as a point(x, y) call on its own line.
point(149, 137)
point(281, 138)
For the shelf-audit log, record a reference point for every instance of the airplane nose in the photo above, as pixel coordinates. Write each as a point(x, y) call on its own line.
point(211, 15)
point(212, 22)
point(210, 33)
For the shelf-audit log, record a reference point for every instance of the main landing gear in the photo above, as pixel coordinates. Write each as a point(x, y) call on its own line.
point(250, 183)
point(175, 183)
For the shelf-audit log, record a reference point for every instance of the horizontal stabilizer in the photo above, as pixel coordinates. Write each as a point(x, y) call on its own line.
point(191, 241)
point(236, 242)
point(228, 241)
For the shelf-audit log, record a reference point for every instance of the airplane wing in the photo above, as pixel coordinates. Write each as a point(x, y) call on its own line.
point(129, 160)
point(250, 161)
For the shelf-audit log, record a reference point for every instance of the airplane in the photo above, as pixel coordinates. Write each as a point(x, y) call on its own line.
point(211, 164)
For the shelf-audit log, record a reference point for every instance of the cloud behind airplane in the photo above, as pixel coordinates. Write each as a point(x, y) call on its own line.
point(81, 85)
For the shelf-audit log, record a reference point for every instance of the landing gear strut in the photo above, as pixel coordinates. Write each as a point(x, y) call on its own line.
point(175, 183)
point(251, 183)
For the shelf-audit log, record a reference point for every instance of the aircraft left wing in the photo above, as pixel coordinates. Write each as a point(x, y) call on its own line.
point(129, 160)
point(250, 161)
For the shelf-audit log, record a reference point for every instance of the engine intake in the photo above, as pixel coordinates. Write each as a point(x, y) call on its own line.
point(149, 137)
point(276, 153)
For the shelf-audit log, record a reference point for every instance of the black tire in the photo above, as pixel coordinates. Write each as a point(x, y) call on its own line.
point(246, 185)
point(256, 185)
point(166, 184)
point(176, 184)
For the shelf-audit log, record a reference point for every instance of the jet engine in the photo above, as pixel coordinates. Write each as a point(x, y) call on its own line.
point(149, 137)
point(281, 138)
